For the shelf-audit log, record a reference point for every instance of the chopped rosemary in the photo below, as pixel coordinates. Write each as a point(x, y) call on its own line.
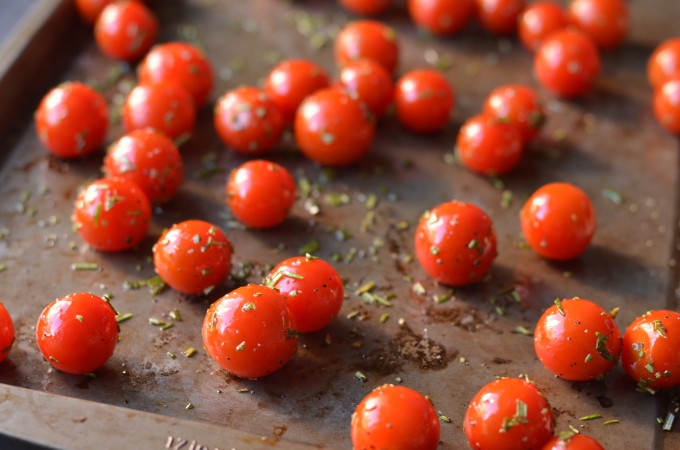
point(360, 376)
point(3, 267)
point(336, 199)
point(523, 330)
point(418, 288)
point(189, 406)
point(613, 196)
point(371, 201)
point(310, 247)
point(167, 325)
point(79, 318)
point(590, 417)
point(588, 358)
point(660, 328)
point(189, 352)
point(364, 288)
point(601, 347)
point(240, 347)
point(558, 304)
point(171, 355)
point(519, 418)
point(610, 422)
point(384, 317)
point(250, 306)
point(175, 315)
point(444, 418)
point(293, 275)
point(78, 266)
point(123, 317)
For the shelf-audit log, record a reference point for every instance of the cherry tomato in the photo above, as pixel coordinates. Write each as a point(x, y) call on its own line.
point(577, 340)
point(313, 291)
point(442, 17)
point(499, 16)
point(518, 105)
point(6, 332)
point(456, 243)
point(182, 63)
point(538, 21)
point(89, 10)
point(489, 145)
point(367, 7)
point(260, 193)
point(289, 83)
point(72, 120)
point(77, 333)
point(558, 221)
point(248, 121)
point(667, 105)
point(248, 332)
point(126, 30)
point(367, 39)
point(509, 413)
point(572, 441)
point(664, 64)
point(368, 81)
point(333, 128)
point(567, 63)
point(112, 214)
point(148, 159)
point(166, 107)
point(424, 100)
point(605, 21)
point(193, 257)
point(651, 350)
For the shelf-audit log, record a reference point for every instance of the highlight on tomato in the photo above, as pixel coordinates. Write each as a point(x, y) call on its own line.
point(666, 105)
point(664, 64)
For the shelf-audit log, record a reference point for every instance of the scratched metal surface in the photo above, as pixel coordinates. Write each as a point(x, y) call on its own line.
point(607, 140)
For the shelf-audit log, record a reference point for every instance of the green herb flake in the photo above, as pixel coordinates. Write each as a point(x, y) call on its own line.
point(189, 352)
point(310, 247)
point(558, 304)
point(243, 390)
point(292, 275)
point(444, 418)
point(660, 328)
point(155, 322)
point(364, 288)
point(384, 318)
point(79, 318)
point(601, 347)
point(53, 359)
point(590, 417)
point(120, 318)
point(240, 347)
point(506, 199)
point(360, 376)
point(520, 417)
point(84, 266)
point(371, 201)
point(171, 355)
point(167, 325)
point(3, 267)
point(250, 306)
point(434, 250)
point(336, 199)
point(175, 315)
point(189, 406)
point(418, 288)
point(566, 435)
point(523, 330)
point(588, 358)
point(649, 367)
point(612, 196)
point(610, 422)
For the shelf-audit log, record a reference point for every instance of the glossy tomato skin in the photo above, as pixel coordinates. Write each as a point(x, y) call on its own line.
point(605, 21)
point(293, 80)
point(260, 193)
point(456, 243)
point(248, 121)
point(6, 332)
point(667, 105)
point(367, 7)
point(442, 17)
point(651, 350)
point(150, 160)
point(77, 333)
point(72, 120)
point(112, 214)
point(575, 441)
point(314, 292)
point(370, 83)
point(333, 128)
point(499, 16)
point(193, 257)
point(166, 107)
point(577, 340)
point(538, 21)
point(424, 100)
point(126, 30)
point(396, 418)
point(248, 332)
point(558, 221)
point(492, 420)
point(664, 64)
point(489, 146)
point(518, 105)
point(181, 63)
point(367, 39)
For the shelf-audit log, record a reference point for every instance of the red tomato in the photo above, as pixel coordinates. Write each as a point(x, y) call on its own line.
point(489, 145)
point(442, 17)
point(558, 221)
point(667, 105)
point(72, 120)
point(424, 100)
point(651, 350)
point(368, 81)
point(664, 64)
point(193, 257)
point(396, 418)
point(248, 332)
point(499, 16)
point(572, 441)
point(148, 159)
point(455, 243)
point(313, 290)
point(6, 332)
point(126, 30)
point(89, 10)
point(333, 128)
point(77, 333)
point(166, 107)
point(367, 7)
point(112, 214)
point(248, 121)
point(508, 413)
point(577, 340)
point(538, 21)
point(289, 83)
point(260, 193)
point(367, 39)
point(182, 63)
point(605, 21)
point(518, 105)
point(567, 63)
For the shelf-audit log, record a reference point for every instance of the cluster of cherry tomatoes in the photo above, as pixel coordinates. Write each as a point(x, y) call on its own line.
point(663, 72)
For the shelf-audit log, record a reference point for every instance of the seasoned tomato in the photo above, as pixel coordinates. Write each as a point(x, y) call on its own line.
point(367, 39)
point(182, 63)
point(313, 290)
point(193, 257)
point(77, 333)
point(567, 63)
point(489, 145)
point(572, 441)
point(249, 332)
point(664, 64)
point(499, 16)
point(289, 83)
point(89, 10)
point(72, 120)
point(396, 418)
point(148, 159)
point(558, 221)
point(667, 105)
point(126, 30)
point(518, 105)
point(333, 128)
point(538, 21)
point(6, 332)
point(509, 413)
point(456, 243)
point(424, 100)
point(260, 193)
point(369, 82)
point(112, 214)
point(605, 21)
point(367, 7)
point(442, 17)
point(248, 121)
point(651, 350)
point(577, 340)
